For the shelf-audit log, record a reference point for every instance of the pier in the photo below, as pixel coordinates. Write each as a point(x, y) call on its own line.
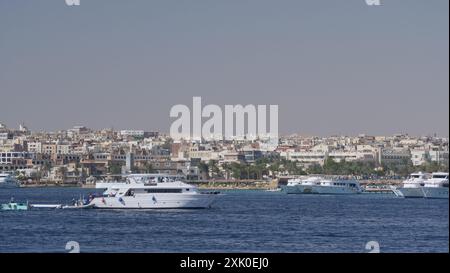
point(236, 184)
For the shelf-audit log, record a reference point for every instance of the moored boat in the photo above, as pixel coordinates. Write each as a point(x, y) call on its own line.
point(12, 205)
point(8, 181)
point(319, 185)
point(412, 187)
point(436, 186)
point(151, 191)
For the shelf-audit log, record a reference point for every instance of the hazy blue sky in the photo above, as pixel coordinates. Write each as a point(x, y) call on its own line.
point(333, 67)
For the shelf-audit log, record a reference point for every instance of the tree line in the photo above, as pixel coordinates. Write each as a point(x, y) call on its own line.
point(274, 167)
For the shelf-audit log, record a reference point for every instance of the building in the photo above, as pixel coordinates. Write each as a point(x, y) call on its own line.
point(232, 157)
point(132, 133)
point(251, 155)
point(305, 158)
point(394, 156)
point(439, 156)
point(419, 157)
point(49, 148)
point(12, 161)
point(6, 135)
point(34, 147)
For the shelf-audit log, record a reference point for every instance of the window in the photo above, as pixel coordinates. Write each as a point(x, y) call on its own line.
point(163, 190)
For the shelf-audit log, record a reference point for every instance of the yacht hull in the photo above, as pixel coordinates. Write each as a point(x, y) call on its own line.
point(155, 201)
point(410, 192)
point(437, 193)
point(307, 189)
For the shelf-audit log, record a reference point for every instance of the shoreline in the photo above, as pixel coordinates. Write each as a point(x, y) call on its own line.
point(377, 186)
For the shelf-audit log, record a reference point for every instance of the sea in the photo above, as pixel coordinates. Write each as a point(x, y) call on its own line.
point(239, 221)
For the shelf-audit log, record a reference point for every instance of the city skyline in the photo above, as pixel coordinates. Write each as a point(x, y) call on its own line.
point(343, 71)
point(118, 129)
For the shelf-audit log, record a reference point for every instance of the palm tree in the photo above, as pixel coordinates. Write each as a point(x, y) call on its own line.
point(46, 167)
point(213, 168)
point(236, 170)
point(115, 168)
point(260, 169)
point(61, 173)
point(227, 168)
point(149, 168)
point(275, 168)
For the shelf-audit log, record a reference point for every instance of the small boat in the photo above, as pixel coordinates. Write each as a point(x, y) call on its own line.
point(88, 206)
point(15, 206)
point(8, 181)
point(46, 206)
point(81, 203)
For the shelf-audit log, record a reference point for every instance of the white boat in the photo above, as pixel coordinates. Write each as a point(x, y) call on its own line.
point(412, 187)
point(436, 186)
point(8, 181)
point(151, 191)
point(319, 185)
point(78, 206)
point(46, 206)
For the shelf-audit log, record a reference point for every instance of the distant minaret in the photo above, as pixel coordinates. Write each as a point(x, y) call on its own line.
point(22, 127)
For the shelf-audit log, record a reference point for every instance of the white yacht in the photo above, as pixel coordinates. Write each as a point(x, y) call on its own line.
point(7, 181)
point(319, 185)
point(412, 187)
point(151, 191)
point(436, 186)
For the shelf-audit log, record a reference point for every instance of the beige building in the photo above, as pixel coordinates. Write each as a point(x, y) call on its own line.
point(49, 148)
point(34, 147)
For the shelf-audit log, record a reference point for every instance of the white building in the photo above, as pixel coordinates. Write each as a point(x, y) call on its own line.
point(132, 133)
point(419, 157)
point(422, 156)
point(34, 147)
point(439, 156)
point(394, 155)
point(63, 149)
point(5, 136)
point(306, 158)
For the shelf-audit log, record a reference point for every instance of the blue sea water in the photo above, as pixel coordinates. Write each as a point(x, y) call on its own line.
point(239, 221)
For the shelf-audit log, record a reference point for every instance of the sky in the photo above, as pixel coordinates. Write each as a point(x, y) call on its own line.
point(333, 67)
